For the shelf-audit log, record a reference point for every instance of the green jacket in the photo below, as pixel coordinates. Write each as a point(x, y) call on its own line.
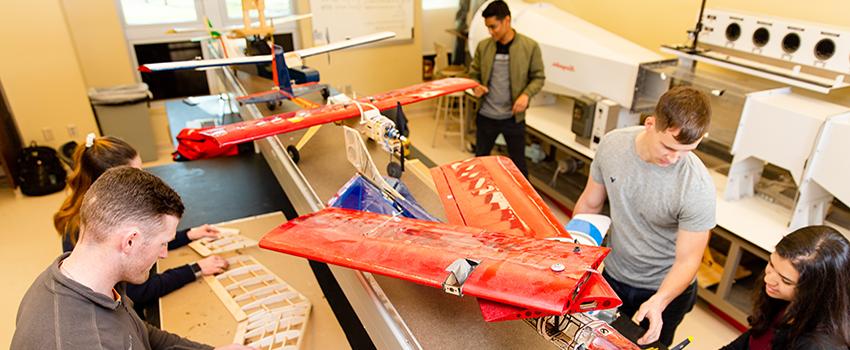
point(526, 66)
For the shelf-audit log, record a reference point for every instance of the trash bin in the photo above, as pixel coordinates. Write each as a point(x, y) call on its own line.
point(122, 111)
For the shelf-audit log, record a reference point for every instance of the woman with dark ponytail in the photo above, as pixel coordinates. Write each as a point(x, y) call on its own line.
point(803, 301)
point(91, 160)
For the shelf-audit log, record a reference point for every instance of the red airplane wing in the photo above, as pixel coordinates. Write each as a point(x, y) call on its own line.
point(281, 123)
point(598, 296)
point(491, 193)
point(514, 270)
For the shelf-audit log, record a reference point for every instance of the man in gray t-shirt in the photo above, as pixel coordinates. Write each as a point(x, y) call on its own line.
point(127, 218)
point(662, 202)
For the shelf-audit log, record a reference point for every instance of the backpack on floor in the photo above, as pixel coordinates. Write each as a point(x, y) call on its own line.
point(41, 171)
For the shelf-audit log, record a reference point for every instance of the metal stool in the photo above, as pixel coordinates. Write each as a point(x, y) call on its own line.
point(451, 106)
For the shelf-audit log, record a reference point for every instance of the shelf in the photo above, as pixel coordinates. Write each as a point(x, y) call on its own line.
point(555, 121)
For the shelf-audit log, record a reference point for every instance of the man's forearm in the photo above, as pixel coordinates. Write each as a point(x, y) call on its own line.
point(583, 206)
point(681, 276)
point(584, 209)
point(690, 246)
point(533, 87)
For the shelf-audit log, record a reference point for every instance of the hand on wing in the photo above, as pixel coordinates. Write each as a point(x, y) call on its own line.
point(521, 104)
point(651, 310)
point(212, 265)
point(203, 231)
point(480, 90)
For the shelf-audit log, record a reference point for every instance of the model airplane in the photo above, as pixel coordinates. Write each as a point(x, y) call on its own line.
point(490, 193)
point(547, 276)
point(371, 122)
point(368, 108)
point(520, 269)
point(368, 191)
point(286, 68)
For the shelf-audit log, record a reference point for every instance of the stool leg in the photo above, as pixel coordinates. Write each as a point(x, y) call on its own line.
point(439, 100)
point(450, 113)
point(438, 116)
point(462, 120)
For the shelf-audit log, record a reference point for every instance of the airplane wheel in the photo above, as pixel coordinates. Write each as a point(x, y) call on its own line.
point(271, 105)
point(326, 93)
point(394, 170)
point(293, 153)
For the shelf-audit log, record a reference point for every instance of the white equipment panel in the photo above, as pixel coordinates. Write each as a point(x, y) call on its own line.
point(804, 43)
point(781, 128)
point(826, 175)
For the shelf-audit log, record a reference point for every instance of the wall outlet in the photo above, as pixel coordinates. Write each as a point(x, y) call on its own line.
point(72, 130)
point(48, 134)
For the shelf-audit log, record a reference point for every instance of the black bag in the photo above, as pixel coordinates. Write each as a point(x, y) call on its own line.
point(40, 172)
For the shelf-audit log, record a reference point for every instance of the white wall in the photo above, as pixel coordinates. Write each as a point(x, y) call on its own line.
point(369, 69)
point(434, 24)
point(41, 73)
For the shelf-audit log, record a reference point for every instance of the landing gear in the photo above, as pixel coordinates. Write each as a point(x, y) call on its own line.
point(394, 170)
point(272, 105)
point(293, 153)
point(326, 93)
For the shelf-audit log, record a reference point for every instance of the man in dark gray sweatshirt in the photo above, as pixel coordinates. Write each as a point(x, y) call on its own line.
point(127, 218)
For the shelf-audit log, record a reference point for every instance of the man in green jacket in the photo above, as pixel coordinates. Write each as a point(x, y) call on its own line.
point(509, 67)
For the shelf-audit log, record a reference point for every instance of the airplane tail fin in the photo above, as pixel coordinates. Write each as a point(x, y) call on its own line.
point(281, 71)
point(401, 121)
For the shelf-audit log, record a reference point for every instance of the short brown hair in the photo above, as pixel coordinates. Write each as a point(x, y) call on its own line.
point(686, 109)
point(125, 195)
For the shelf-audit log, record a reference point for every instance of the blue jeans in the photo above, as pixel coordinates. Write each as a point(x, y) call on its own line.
point(674, 313)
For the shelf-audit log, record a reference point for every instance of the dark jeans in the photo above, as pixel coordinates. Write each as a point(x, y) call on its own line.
point(674, 313)
point(487, 130)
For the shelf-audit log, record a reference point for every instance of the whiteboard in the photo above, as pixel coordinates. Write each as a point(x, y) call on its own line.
point(336, 20)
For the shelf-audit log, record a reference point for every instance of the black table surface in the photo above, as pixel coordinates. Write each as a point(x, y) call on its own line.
point(225, 188)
